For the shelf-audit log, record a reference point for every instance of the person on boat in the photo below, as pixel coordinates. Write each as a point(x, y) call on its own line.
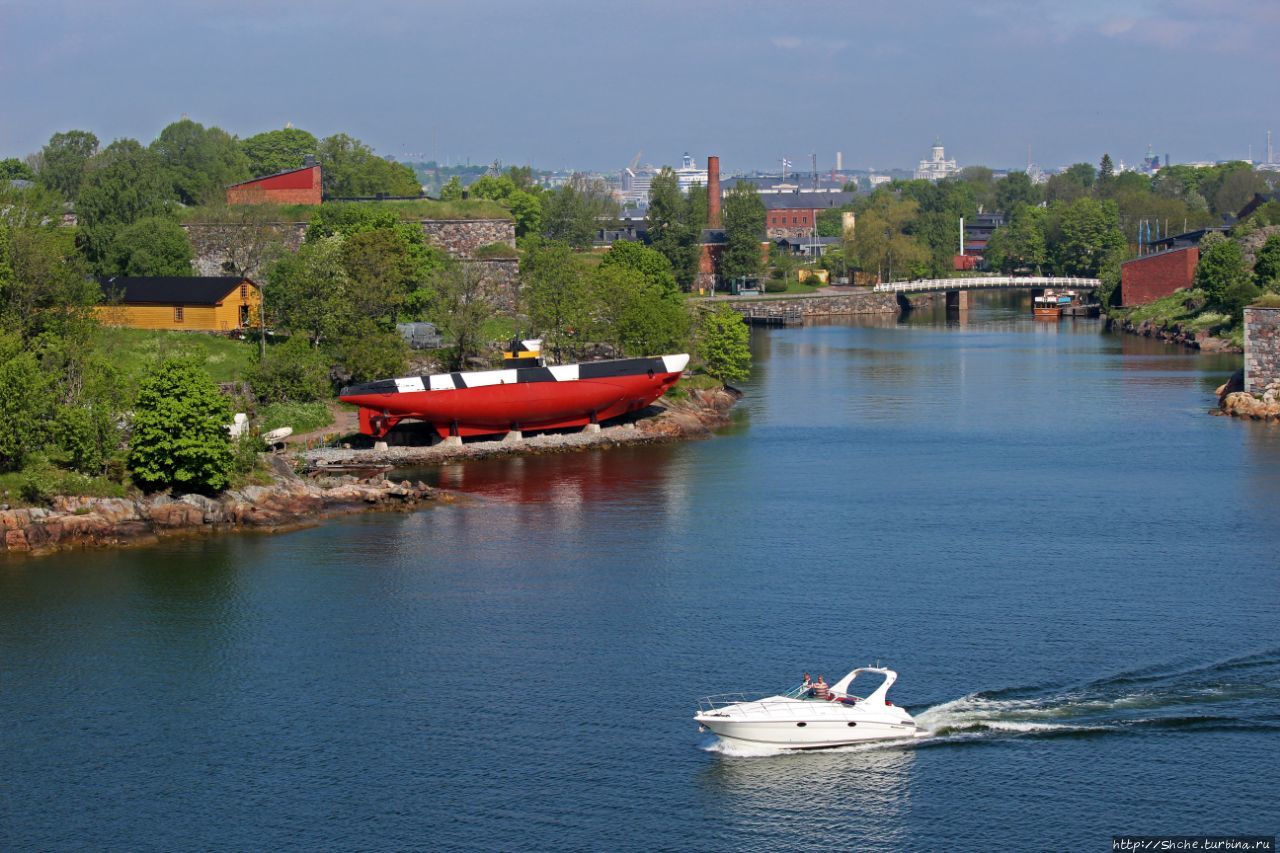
point(819, 689)
point(807, 682)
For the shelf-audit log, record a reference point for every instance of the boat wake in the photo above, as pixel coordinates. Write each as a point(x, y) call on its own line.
point(1237, 694)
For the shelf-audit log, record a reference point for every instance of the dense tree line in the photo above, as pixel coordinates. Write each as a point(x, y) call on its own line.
point(1082, 221)
point(126, 195)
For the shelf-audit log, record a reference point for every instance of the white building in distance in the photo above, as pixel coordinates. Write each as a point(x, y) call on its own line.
point(635, 185)
point(689, 174)
point(937, 166)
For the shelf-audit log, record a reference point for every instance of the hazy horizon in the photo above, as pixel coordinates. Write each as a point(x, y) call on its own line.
point(565, 85)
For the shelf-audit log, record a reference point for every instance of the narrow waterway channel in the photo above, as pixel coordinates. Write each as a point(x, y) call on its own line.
point(1072, 567)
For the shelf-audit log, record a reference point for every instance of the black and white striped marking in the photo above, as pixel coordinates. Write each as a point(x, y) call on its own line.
point(512, 376)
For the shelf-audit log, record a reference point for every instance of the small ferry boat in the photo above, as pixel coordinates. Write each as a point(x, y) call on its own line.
point(525, 395)
point(809, 716)
point(1050, 304)
point(1054, 304)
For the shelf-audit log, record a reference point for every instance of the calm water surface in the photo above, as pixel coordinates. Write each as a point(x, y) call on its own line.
point(1072, 567)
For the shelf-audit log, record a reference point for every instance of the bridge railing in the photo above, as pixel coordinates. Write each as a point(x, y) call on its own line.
point(992, 282)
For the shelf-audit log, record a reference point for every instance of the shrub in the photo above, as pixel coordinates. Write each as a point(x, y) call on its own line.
point(26, 402)
point(495, 250)
point(367, 352)
point(303, 417)
point(723, 344)
point(180, 435)
point(775, 285)
point(294, 371)
point(81, 438)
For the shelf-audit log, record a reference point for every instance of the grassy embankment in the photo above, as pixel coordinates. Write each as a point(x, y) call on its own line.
point(225, 359)
point(1184, 309)
point(414, 209)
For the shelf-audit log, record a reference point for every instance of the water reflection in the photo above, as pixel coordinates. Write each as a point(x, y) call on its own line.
point(560, 479)
point(862, 791)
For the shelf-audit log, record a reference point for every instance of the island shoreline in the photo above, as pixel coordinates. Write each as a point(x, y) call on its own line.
point(293, 502)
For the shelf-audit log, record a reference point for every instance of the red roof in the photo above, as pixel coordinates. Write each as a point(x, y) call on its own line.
point(296, 179)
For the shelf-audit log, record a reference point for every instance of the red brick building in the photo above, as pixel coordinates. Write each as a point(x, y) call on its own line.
point(795, 214)
point(1152, 277)
point(297, 186)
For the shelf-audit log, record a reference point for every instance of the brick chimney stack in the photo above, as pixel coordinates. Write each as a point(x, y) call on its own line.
point(713, 192)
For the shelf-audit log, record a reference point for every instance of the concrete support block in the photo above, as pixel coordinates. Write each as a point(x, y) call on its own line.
point(513, 437)
point(591, 428)
point(379, 445)
point(452, 441)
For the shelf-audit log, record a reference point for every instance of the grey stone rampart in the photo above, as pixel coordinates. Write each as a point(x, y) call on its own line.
point(820, 305)
point(1261, 348)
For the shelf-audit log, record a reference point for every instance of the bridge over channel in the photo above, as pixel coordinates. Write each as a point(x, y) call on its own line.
point(957, 290)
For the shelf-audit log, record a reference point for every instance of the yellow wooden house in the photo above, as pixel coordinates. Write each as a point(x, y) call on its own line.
point(193, 303)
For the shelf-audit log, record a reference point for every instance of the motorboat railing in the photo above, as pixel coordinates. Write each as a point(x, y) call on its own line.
point(716, 701)
point(763, 702)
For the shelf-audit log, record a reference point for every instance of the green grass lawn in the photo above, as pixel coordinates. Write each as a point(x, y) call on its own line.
point(303, 417)
point(134, 350)
point(422, 208)
point(1172, 309)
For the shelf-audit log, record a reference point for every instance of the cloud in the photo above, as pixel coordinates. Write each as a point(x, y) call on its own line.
point(811, 45)
point(1116, 26)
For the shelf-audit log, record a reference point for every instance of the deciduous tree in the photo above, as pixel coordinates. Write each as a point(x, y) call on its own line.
point(574, 212)
point(1223, 276)
point(744, 220)
point(556, 297)
point(13, 169)
point(64, 161)
point(201, 161)
point(26, 402)
point(154, 246)
point(675, 226)
point(638, 318)
point(650, 263)
point(350, 169)
point(1266, 268)
point(278, 150)
point(127, 183)
point(723, 343)
point(308, 292)
point(179, 435)
point(461, 309)
point(1014, 190)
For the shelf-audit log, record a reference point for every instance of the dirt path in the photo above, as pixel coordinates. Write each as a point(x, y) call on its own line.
point(345, 422)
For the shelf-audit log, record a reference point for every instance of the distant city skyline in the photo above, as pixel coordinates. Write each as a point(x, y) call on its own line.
point(568, 85)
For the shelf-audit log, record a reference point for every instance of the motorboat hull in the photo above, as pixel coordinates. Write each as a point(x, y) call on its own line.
point(524, 398)
point(810, 715)
point(813, 734)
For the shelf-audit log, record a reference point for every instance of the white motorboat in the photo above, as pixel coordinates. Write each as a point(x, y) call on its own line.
point(798, 719)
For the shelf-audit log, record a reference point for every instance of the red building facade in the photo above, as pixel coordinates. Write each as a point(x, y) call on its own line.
point(299, 186)
point(1152, 277)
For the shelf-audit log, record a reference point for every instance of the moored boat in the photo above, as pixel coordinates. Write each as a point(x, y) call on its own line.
point(525, 395)
point(1049, 305)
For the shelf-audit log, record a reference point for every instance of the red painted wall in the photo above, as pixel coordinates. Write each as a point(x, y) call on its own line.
point(301, 186)
point(1144, 280)
point(803, 218)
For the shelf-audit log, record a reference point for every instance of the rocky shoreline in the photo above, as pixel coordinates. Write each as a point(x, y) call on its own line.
point(291, 501)
point(1173, 334)
point(693, 417)
point(288, 503)
point(1233, 400)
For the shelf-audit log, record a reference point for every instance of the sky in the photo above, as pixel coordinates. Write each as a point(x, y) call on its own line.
point(588, 85)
